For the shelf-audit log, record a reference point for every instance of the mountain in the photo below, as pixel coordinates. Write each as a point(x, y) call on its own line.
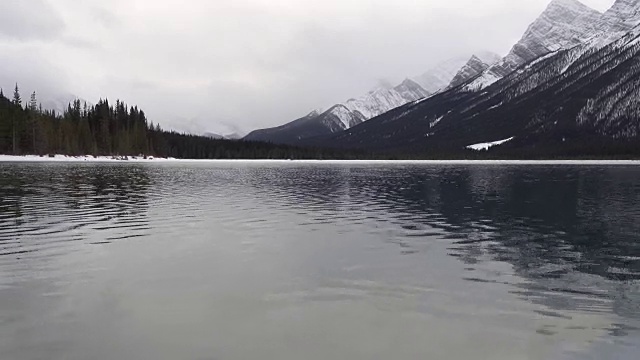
point(622, 16)
point(440, 76)
point(581, 100)
point(381, 100)
point(303, 127)
point(341, 117)
point(562, 25)
point(377, 102)
point(214, 136)
point(337, 119)
point(474, 67)
point(233, 136)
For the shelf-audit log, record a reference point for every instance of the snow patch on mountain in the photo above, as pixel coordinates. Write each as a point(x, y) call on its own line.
point(487, 145)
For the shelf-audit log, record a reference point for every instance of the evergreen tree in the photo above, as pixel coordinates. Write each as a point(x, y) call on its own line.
point(17, 100)
point(33, 103)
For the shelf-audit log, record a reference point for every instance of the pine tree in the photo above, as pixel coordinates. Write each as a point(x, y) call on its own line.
point(33, 103)
point(16, 96)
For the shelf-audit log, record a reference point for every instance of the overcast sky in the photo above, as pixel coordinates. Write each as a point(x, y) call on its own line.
point(216, 65)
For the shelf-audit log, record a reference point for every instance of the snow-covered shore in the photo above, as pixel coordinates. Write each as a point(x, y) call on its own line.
point(111, 159)
point(88, 158)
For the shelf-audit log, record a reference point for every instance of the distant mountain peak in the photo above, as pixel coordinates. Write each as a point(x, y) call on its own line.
point(408, 82)
point(440, 75)
point(567, 3)
point(474, 67)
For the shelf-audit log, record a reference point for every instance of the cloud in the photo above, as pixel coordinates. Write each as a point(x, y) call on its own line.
point(26, 20)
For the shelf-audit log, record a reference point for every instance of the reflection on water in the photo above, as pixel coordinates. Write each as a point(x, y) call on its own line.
point(286, 261)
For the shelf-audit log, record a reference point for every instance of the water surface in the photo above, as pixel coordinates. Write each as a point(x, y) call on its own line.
point(301, 261)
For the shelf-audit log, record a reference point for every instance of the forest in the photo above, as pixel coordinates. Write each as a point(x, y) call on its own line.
point(107, 129)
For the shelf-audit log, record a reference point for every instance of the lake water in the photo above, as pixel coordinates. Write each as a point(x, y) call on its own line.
point(299, 261)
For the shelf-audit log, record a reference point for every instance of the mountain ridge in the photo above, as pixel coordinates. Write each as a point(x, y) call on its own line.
point(564, 101)
point(374, 103)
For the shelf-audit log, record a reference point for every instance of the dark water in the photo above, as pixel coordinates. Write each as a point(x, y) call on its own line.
point(289, 261)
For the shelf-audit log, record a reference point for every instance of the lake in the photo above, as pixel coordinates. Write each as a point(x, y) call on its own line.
point(251, 260)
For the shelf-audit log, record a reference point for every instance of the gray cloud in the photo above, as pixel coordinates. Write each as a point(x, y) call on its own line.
point(203, 65)
point(29, 20)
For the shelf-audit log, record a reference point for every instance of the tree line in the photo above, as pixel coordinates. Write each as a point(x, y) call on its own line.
point(107, 129)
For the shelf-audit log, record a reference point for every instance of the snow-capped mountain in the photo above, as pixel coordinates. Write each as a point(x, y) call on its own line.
point(375, 103)
point(381, 100)
point(562, 25)
point(441, 75)
point(474, 67)
point(580, 100)
point(341, 117)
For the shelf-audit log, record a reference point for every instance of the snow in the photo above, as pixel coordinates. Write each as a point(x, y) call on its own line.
point(483, 81)
point(379, 101)
point(344, 115)
point(421, 100)
point(488, 145)
point(86, 158)
point(541, 59)
point(69, 159)
point(436, 121)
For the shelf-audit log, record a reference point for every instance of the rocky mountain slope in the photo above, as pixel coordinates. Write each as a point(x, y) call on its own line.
point(563, 24)
point(578, 100)
point(441, 75)
point(473, 68)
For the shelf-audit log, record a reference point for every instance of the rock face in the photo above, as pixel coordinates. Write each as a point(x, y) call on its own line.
point(564, 24)
point(623, 15)
point(474, 67)
point(440, 77)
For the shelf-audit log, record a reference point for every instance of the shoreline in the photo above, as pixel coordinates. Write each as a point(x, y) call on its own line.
point(112, 159)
